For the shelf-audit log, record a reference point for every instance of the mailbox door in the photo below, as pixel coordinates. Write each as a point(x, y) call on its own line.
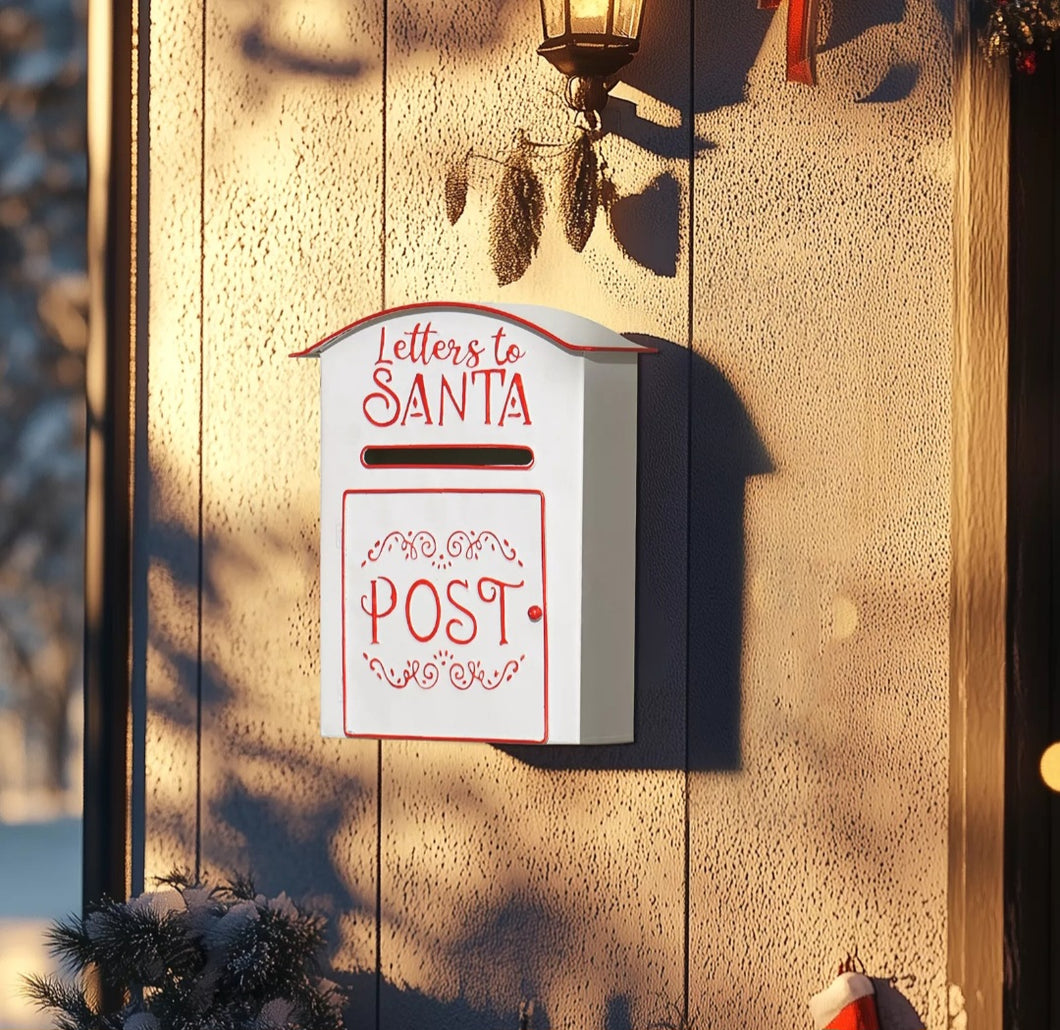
point(444, 616)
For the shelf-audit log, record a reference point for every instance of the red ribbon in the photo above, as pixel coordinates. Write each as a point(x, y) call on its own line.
point(802, 33)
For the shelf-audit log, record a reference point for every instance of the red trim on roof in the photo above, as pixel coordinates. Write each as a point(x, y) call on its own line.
point(312, 352)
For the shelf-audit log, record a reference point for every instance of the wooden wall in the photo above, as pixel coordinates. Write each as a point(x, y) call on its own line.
point(789, 250)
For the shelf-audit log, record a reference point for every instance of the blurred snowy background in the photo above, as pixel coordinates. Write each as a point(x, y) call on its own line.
point(43, 331)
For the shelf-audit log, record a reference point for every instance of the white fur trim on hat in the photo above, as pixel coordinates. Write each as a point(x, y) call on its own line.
point(844, 989)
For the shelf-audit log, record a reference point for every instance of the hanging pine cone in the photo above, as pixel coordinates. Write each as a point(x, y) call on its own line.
point(580, 191)
point(456, 189)
point(517, 217)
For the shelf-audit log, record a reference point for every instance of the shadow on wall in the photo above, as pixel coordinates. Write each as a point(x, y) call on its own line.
point(258, 47)
point(406, 1007)
point(290, 836)
point(729, 38)
point(646, 225)
point(696, 448)
point(412, 1008)
point(287, 849)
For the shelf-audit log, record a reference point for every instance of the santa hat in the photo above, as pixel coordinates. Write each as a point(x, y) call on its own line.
point(847, 1003)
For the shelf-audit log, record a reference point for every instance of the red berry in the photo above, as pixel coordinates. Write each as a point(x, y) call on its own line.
point(1027, 62)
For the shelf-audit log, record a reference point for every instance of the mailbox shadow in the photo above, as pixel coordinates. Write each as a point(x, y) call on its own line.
point(696, 448)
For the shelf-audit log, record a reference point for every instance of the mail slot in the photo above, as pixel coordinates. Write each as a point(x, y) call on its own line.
point(478, 526)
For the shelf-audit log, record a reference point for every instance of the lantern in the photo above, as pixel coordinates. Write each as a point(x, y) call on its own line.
point(589, 41)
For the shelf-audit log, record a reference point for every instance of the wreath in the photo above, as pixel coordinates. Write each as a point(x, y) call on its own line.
point(1021, 30)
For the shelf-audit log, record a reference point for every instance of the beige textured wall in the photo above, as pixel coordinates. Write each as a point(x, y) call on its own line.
point(793, 802)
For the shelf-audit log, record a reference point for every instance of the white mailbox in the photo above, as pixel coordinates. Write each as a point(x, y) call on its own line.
point(478, 518)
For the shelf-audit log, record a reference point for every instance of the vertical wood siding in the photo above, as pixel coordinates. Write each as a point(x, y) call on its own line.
point(789, 252)
point(174, 354)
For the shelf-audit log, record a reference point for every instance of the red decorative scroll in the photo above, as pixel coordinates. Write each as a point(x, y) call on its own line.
point(802, 36)
point(462, 675)
point(461, 545)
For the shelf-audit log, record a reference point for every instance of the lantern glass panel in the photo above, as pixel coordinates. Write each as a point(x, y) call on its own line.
point(589, 16)
point(627, 18)
point(553, 18)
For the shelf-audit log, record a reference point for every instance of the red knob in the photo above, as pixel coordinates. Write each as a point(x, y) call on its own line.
point(534, 613)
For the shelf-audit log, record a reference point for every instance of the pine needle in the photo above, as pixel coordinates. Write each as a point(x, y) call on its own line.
point(178, 879)
point(67, 941)
point(68, 1002)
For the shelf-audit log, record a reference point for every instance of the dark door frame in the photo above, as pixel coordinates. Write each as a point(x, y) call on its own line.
point(1032, 820)
point(109, 368)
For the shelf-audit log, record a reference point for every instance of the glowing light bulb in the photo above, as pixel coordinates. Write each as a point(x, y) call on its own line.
point(1050, 766)
point(588, 15)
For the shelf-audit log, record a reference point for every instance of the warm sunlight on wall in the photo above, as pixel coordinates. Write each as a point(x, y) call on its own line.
point(797, 493)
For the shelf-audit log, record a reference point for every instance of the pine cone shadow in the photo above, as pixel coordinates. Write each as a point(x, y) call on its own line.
point(645, 225)
point(896, 85)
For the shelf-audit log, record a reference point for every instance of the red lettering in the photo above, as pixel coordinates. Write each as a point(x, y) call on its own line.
point(426, 332)
point(453, 624)
point(515, 403)
point(383, 407)
point(382, 348)
point(444, 389)
point(381, 377)
point(416, 405)
point(437, 609)
point(512, 352)
point(497, 336)
point(417, 347)
point(487, 373)
point(373, 612)
point(496, 590)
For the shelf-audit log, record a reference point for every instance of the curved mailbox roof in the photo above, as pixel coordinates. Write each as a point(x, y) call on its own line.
point(571, 332)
